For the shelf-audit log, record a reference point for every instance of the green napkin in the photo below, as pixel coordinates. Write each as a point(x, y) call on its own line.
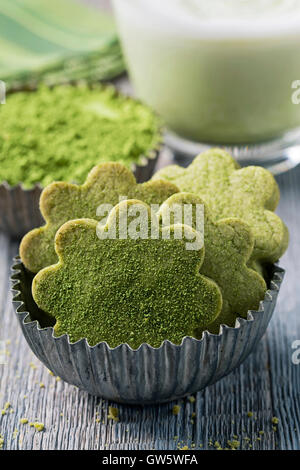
point(55, 41)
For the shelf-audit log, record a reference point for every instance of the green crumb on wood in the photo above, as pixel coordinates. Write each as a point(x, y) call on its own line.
point(15, 433)
point(192, 399)
point(218, 445)
point(38, 426)
point(1, 442)
point(5, 409)
point(24, 421)
point(59, 134)
point(234, 444)
point(250, 414)
point(184, 448)
point(113, 413)
point(176, 410)
point(275, 420)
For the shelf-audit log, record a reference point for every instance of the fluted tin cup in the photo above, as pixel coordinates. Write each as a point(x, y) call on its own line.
point(147, 375)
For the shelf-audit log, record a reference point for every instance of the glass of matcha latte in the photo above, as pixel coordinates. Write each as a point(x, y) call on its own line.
point(219, 72)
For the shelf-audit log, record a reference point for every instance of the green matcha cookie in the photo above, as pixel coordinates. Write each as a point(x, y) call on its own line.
point(61, 202)
point(228, 247)
point(250, 194)
point(132, 290)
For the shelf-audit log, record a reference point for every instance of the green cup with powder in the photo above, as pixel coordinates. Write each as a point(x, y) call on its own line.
point(59, 134)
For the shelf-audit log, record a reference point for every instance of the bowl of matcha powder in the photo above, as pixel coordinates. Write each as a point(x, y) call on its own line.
point(59, 134)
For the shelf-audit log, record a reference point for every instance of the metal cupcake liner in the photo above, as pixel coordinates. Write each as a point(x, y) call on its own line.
point(147, 375)
point(19, 207)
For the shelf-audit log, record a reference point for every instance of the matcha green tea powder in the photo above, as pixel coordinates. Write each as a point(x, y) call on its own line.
point(59, 134)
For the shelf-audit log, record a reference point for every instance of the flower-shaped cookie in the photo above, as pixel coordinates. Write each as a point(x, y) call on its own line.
point(127, 290)
point(228, 247)
point(61, 202)
point(250, 194)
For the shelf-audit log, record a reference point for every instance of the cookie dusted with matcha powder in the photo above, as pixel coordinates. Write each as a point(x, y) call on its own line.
point(61, 202)
point(135, 290)
point(250, 194)
point(61, 133)
point(228, 244)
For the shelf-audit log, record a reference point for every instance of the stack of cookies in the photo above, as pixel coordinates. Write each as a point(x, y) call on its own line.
point(132, 263)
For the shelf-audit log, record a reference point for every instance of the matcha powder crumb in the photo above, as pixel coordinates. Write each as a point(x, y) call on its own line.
point(38, 426)
point(234, 444)
point(191, 399)
point(176, 410)
point(24, 421)
point(59, 134)
point(113, 413)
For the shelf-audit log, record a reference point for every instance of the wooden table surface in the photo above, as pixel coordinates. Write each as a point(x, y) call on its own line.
point(267, 384)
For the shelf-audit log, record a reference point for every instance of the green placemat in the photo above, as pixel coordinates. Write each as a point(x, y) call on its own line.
point(55, 41)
